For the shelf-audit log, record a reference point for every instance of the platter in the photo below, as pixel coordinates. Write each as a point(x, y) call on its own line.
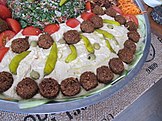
point(92, 98)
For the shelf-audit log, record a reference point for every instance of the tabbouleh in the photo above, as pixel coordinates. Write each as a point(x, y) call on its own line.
point(43, 12)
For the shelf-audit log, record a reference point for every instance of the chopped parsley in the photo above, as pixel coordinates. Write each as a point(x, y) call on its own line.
point(43, 12)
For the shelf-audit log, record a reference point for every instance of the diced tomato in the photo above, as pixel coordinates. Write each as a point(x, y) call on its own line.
point(132, 18)
point(73, 22)
point(51, 28)
point(6, 36)
point(4, 12)
point(87, 15)
point(3, 51)
point(29, 31)
point(14, 25)
point(117, 9)
point(3, 2)
point(88, 6)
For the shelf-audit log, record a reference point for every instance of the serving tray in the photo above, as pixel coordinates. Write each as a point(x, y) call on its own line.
point(95, 98)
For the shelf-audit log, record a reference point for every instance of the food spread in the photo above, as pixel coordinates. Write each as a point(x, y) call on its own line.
point(81, 56)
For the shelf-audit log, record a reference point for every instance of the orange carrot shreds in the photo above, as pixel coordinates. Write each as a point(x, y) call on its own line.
point(129, 7)
point(124, 1)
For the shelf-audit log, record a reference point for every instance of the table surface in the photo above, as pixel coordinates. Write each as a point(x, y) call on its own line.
point(147, 108)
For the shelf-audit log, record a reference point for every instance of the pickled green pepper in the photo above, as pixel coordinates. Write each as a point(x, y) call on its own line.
point(109, 46)
point(51, 60)
point(111, 22)
point(107, 35)
point(16, 60)
point(73, 55)
point(62, 2)
point(87, 44)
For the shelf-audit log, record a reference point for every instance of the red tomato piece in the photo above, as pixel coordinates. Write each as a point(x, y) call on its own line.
point(87, 15)
point(3, 2)
point(88, 6)
point(5, 37)
point(4, 12)
point(73, 22)
point(132, 18)
point(118, 10)
point(3, 51)
point(51, 28)
point(31, 30)
point(14, 25)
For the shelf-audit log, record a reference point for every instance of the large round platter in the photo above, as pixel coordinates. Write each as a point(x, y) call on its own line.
point(96, 97)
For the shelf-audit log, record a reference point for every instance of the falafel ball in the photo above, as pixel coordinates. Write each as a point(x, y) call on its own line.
point(72, 37)
point(6, 81)
point(45, 41)
point(49, 88)
point(27, 88)
point(20, 45)
point(88, 80)
point(70, 86)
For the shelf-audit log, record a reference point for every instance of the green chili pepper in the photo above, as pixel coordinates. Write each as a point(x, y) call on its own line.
point(30, 0)
point(73, 55)
point(87, 44)
point(111, 22)
point(62, 2)
point(107, 35)
point(109, 46)
point(51, 60)
point(16, 60)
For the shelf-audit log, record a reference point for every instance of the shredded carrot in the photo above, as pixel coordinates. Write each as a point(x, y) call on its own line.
point(124, 1)
point(129, 7)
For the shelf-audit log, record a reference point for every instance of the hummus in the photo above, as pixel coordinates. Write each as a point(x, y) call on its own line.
point(37, 58)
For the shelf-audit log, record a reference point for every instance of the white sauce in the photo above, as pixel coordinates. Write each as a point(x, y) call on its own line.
point(37, 58)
